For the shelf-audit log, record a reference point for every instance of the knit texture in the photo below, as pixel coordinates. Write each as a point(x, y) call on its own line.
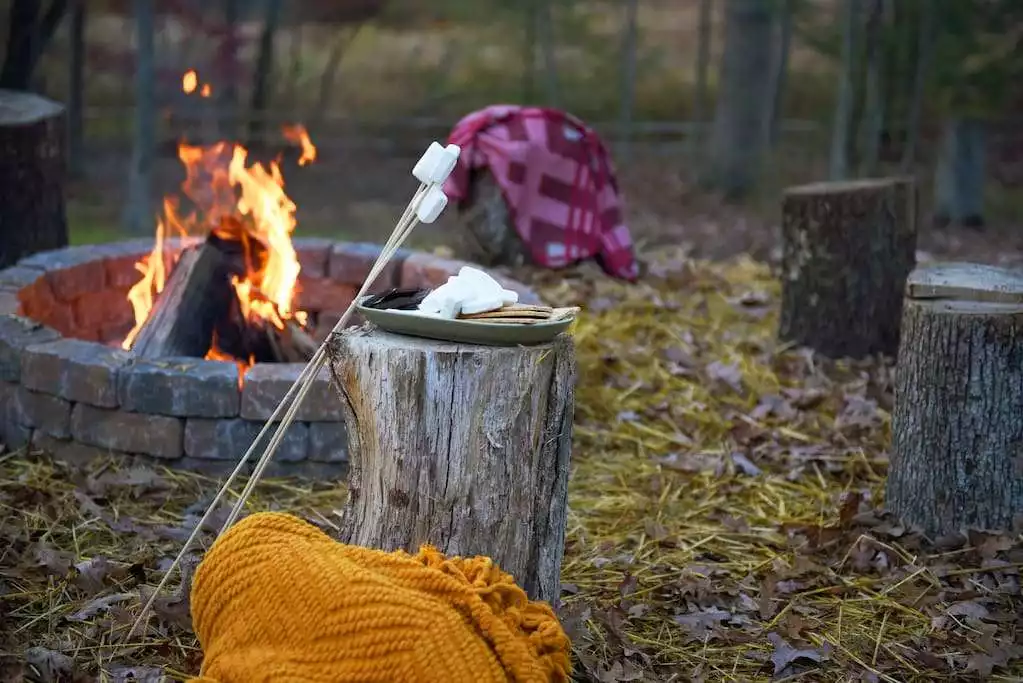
point(276, 599)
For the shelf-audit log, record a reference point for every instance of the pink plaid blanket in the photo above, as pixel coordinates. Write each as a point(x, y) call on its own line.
point(557, 182)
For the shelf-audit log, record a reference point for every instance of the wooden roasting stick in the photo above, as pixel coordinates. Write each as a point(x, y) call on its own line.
point(428, 202)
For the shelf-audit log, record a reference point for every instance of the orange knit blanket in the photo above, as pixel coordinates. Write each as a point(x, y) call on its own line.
point(276, 599)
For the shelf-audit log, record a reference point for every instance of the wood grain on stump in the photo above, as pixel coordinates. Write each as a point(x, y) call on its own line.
point(32, 176)
point(486, 232)
point(957, 427)
point(848, 248)
point(460, 446)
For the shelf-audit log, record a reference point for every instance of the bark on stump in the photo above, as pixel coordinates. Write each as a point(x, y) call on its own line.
point(487, 235)
point(32, 176)
point(848, 248)
point(460, 446)
point(957, 427)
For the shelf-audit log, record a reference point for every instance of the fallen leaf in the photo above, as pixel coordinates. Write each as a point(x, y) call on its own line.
point(99, 605)
point(773, 405)
point(51, 666)
point(849, 506)
point(858, 412)
point(744, 464)
point(971, 609)
point(729, 374)
point(700, 622)
point(784, 655)
point(621, 670)
point(693, 462)
point(56, 562)
point(136, 674)
point(637, 611)
point(91, 575)
point(138, 479)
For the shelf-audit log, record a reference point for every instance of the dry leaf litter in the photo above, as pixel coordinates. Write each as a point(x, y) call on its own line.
point(725, 517)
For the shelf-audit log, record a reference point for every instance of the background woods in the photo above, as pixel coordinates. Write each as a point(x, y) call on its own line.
point(741, 97)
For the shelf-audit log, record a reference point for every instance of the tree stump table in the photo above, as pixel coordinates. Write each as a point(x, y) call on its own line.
point(848, 248)
point(957, 427)
point(464, 447)
point(32, 176)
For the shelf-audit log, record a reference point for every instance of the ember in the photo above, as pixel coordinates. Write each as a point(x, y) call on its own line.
point(230, 297)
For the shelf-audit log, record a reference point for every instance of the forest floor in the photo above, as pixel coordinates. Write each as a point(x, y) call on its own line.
point(725, 521)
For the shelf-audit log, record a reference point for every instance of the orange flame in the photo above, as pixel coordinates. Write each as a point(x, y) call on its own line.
point(205, 92)
point(238, 202)
point(298, 135)
point(189, 81)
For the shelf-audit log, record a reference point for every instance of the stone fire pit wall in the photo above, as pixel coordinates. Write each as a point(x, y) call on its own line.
point(68, 389)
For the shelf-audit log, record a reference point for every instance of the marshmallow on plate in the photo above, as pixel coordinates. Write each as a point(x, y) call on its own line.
point(471, 291)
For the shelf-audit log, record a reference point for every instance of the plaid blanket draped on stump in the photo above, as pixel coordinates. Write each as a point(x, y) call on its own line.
point(557, 182)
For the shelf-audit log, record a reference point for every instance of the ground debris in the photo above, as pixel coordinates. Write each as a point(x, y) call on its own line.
point(725, 520)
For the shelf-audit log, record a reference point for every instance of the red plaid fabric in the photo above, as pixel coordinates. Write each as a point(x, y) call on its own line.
point(557, 182)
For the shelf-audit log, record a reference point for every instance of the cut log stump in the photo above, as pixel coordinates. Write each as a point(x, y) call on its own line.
point(847, 250)
point(32, 176)
point(957, 427)
point(486, 232)
point(463, 447)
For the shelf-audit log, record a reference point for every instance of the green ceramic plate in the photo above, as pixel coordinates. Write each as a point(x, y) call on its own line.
point(489, 334)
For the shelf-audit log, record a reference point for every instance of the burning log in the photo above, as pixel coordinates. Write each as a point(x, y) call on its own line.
point(196, 298)
point(292, 344)
point(199, 310)
point(231, 298)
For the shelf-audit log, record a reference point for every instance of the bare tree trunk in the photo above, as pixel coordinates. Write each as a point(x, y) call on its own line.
point(961, 172)
point(460, 446)
point(529, 64)
point(780, 70)
point(263, 74)
point(700, 97)
point(873, 114)
point(925, 43)
point(739, 119)
point(27, 37)
point(328, 79)
point(227, 100)
point(839, 163)
point(629, 47)
point(76, 88)
point(545, 32)
point(958, 419)
point(138, 215)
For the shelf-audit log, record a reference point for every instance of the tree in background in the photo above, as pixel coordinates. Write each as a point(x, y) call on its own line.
point(740, 117)
point(977, 74)
point(28, 34)
point(263, 72)
point(138, 216)
point(903, 62)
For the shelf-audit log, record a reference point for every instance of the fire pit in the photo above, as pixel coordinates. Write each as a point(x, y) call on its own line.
point(68, 387)
point(181, 347)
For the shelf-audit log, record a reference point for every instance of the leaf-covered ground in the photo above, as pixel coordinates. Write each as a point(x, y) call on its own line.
point(725, 520)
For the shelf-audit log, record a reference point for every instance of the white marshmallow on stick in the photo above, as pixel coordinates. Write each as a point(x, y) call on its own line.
point(431, 205)
point(436, 164)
